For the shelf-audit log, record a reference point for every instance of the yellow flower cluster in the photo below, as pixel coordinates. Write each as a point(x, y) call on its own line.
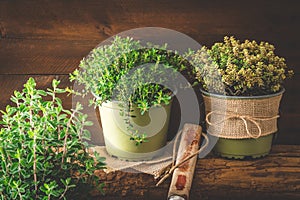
point(235, 68)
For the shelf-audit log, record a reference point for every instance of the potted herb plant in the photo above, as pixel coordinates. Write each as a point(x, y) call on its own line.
point(133, 85)
point(42, 147)
point(242, 85)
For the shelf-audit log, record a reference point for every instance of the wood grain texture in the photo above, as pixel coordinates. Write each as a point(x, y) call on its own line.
point(45, 56)
point(274, 177)
point(182, 177)
point(98, 19)
point(32, 56)
point(62, 32)
point(40, 38)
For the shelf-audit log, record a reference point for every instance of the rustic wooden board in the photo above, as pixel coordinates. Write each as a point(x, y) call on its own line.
point(26, 56)
point(98, 19)
point(275, 177)
point(45, 56)
point(41, 37)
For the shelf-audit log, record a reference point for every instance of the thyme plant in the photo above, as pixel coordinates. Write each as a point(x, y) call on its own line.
point(105, 72)
point(43, 146)
point(241, 68)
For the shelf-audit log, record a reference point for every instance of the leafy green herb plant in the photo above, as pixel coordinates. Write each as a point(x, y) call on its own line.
point(105, 71)
point(240, 68)
point(43, 146)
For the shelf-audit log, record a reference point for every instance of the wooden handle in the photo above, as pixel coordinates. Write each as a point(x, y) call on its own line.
point(183, 175)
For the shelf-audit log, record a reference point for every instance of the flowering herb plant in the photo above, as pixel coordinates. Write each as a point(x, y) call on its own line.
point(237, 68)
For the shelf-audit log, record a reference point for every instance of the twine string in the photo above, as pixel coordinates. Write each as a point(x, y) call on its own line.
point(244, 118)
point(175, 166)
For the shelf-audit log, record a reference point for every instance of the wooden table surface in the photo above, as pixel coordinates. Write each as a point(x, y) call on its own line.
point(275, 177)
point(47, 39)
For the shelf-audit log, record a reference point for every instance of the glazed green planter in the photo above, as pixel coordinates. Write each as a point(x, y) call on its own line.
point(117, 139)
point(244, 125)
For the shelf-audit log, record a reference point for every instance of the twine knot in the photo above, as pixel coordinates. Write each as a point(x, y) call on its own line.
point(244, 118)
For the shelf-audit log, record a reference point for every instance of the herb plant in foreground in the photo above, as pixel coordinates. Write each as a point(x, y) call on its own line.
point(42, 147)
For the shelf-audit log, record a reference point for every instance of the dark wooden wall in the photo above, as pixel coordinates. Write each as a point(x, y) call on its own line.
point(47, 39)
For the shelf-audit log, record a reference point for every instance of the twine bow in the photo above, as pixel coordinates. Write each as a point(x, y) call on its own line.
point(244, 118)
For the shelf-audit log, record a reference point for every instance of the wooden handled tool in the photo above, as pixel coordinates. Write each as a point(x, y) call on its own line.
point(183, 175)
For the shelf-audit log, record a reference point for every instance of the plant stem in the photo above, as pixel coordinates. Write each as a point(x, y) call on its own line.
point(64, 193)
point(66, 138)
point(34, 146)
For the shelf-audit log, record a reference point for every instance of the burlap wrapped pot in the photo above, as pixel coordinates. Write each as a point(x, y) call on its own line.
point(240, 117)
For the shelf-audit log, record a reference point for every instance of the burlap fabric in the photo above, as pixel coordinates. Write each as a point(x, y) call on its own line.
point(149, 167)
point(162, 164)
point(236, 118)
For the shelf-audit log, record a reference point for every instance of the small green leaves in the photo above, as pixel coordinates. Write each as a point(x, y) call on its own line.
point(42, 146)
point(105, 72)
point(143, 106)
point(55, 83)
point(240, 69)
point(138, 139)
point(73, 76)
point(50, 190)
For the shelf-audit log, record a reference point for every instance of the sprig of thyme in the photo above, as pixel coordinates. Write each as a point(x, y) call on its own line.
point(43, 146)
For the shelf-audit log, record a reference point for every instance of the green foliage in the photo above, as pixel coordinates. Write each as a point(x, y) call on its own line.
point(42, 146)
point(132, 74)
point(139, 138)
point(240, 69)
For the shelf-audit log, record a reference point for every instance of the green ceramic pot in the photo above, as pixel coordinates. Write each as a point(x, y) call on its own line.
point(231, 144)
point(117, 139)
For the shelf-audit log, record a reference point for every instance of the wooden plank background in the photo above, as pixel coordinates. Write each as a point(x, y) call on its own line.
point(47, 39)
